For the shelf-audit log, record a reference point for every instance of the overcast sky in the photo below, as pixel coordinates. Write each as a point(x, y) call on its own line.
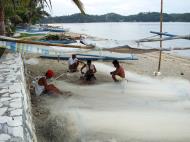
point(124, 7)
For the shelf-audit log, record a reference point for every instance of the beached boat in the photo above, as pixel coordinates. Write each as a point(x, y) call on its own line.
point(23, 32)
point(85, 57)
point(34, 33)
point(55, 29)
point(45, 44)
point(40, 29)
point(64, 41)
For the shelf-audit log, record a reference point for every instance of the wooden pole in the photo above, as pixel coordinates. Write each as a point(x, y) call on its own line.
point(161, 20)
point(45, 44)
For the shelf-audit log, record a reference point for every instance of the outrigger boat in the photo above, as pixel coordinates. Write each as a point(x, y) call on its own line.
point(168, 37)
point(64, 41)
point(92, 57)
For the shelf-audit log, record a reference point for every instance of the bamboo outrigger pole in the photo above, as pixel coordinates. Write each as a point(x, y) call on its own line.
point(44, 44)
point(161, 20)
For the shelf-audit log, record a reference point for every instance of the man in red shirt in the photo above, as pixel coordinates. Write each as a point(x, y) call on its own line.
point(119, 73)
point(42, 85)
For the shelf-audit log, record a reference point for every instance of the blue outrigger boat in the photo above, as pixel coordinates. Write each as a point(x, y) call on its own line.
point(85, 57)
point(55, 30)
point(40, 29)
point(64, 41)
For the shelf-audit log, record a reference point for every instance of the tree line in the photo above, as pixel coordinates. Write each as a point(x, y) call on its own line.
point(25, 12)
point(112, 17)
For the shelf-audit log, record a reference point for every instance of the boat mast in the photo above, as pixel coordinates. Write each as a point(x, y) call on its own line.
point(161, 20)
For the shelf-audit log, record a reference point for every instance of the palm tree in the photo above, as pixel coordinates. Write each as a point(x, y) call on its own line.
point(7, 4)
point(3, 4)
point(12, 4)
point(30, 14)
point(79, 4)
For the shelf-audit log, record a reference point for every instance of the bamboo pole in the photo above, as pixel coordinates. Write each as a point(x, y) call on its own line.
point(45, 44)
point(161, 20)
point(187, 37)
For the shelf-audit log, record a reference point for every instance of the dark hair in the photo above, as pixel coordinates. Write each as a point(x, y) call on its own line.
point(73, 55)
point(115, 62)
point(89, 61)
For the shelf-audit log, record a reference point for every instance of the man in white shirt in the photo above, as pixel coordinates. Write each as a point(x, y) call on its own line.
point(73, 63)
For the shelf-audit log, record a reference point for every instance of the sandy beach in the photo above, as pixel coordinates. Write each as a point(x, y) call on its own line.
point(171, 66)
point(147, 64)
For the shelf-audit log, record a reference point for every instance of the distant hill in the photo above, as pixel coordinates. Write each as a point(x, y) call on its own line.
point(113, 17)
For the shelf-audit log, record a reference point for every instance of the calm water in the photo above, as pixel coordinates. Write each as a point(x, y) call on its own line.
point(126, 31)
point(107, 35)
point(116, 34)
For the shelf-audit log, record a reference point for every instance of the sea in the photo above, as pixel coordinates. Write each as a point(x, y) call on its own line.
point(108, 35)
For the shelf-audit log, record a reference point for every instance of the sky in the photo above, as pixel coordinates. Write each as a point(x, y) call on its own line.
point(123, 7)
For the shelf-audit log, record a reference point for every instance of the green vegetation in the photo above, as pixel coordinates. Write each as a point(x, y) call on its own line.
point(24, 12)
point(23, 35)
point(14, 12)
point(58, 37)
point(52, 37)
point(112, 17)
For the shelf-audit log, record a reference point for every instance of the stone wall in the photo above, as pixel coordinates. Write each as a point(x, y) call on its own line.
point(15, 106)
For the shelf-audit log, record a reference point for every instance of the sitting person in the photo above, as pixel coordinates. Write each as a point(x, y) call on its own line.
point(73, 63)
point(90, 71)
point(42, 86)
point(119, 73)
point(82, 39)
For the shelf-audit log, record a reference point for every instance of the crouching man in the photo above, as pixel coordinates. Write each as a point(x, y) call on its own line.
point(119, 73)
point(89, 74)
point(42, 86)
point(73, 63)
